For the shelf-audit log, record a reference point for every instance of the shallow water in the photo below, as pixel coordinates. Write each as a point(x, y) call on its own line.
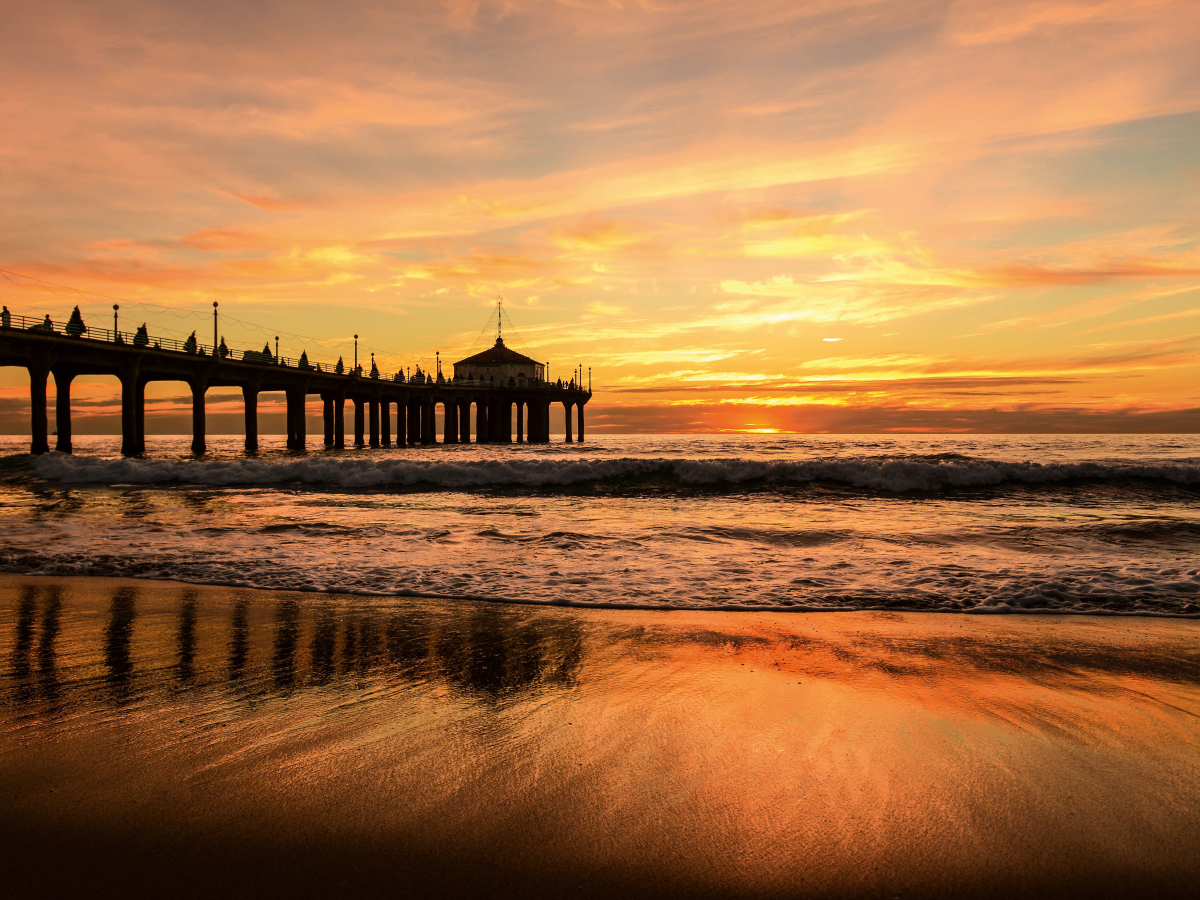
point(1062, 523)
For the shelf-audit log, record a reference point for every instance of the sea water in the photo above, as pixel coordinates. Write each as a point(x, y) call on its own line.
point(979, 523)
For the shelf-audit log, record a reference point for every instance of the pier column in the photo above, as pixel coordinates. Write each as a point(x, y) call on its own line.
point(139, 414)
point(506, 411)
point(39, 428)
point(328, 421)
point(428, 423)
point(401, 423)
point(520, 422)
point(567, 422)
point(297, 427)
point(450, 423)
point(373, 409)
point(494, 420)
point(359, 424)
point(128, 418)
point(385, 423)
point(62, 410)
point(414, 422)
point(339, 423)
point(464, 422)
point(250, 399)
point(579, 406)
point(481, 422)
point(198, 430)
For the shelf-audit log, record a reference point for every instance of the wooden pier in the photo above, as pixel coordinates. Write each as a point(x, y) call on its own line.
point(377, 401)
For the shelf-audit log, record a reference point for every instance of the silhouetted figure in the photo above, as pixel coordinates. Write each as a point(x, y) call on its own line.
point(6, 318)
point(75, 326)
point(190, 345)
point(223, 350)
point(303, 364)
point(340, 368)
point(142, 337)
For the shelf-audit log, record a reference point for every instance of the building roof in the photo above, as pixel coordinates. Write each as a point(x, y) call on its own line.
point(498, 355)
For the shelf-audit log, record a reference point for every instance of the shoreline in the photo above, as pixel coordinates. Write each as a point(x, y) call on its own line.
point(617, 606)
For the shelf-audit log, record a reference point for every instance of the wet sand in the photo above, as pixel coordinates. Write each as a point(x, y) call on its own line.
point(185, 741)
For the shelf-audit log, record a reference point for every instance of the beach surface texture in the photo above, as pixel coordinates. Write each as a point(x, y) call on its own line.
point(197, 741)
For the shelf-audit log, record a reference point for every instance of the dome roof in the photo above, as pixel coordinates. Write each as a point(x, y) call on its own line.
point(498, 355)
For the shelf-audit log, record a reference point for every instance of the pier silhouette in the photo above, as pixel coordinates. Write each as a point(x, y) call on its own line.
point(491, 395)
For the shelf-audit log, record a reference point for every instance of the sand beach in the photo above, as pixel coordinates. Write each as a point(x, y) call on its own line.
point(175, 740)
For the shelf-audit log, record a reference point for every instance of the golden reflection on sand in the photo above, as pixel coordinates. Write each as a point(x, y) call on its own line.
point(197, 740)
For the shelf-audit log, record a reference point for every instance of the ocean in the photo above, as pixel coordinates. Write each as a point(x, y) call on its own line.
point(969, 524)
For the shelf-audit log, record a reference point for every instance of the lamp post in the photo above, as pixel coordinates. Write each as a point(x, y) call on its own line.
point(115, 331)
point(356, 354)
point(214, 328)
point(589, 379)
point(276, 349)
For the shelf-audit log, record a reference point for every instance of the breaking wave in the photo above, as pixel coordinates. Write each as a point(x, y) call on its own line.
point(897, 474)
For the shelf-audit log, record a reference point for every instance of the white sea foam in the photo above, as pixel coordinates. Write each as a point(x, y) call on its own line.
point(931, 473)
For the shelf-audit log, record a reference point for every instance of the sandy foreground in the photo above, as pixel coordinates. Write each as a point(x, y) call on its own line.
point(167, 740)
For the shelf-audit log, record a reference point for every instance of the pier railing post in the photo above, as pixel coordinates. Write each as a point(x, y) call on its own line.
point(62, 410)
point(199, 445)
point(38, 428)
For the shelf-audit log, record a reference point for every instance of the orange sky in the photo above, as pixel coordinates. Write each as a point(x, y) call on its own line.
point(843, 215)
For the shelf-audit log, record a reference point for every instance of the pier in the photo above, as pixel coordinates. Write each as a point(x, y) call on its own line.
point(394, 410)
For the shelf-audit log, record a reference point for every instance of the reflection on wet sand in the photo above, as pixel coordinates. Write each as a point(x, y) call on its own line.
point(276, 646)
point(320, 745)
point(118, 634)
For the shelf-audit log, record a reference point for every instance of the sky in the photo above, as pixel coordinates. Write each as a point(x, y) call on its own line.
point(842, 216)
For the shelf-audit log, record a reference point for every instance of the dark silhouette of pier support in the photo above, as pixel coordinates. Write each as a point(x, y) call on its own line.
point(567, 420)
point(297, 428)
point(327, 419)
point(250, 399)
point(520, 422)
point(579, 407)
point(339, 422)
point(199, 447)
point(62, 409)
point(359, 423)
point(385, 423)
point(373, 411)
point(39, 429)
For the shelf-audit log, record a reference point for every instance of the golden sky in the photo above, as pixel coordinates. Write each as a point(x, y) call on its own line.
point(840, 215)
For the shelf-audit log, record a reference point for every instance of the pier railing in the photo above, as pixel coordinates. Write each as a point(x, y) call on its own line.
point(256, 357)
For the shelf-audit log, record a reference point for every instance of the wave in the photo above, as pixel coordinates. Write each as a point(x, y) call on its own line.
point(896, 474)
